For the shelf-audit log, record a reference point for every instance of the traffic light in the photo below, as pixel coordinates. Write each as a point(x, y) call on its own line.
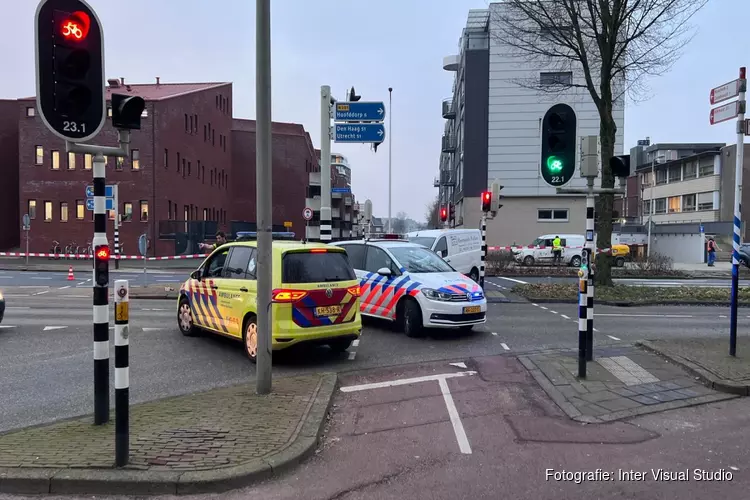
point(101, 265)
point(496, 196)
point(558, 145)
point(353, 95)
point(70, 69)
point(443, 214)
point(486, 201)
point(126, 111)
point(620, 165)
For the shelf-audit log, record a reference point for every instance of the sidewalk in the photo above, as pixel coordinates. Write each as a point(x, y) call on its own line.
point(62, 265)
point(212, 441)
point(708, 359)
point(621, 382)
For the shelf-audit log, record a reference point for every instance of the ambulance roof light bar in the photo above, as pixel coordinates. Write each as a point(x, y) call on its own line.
point(253, 235)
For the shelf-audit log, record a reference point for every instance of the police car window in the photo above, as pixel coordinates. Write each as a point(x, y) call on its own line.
point(312, 267)
point(422, 240)
point(442, 246)
point(236, 267)
point(215, 267)
point(420, 260)
point(356, 255)
point(377, 259)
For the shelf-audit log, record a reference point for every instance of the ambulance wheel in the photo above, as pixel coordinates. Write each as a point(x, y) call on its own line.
point(474, 275)
point(410, 318)
point(185, 319)
point(250, 338)
point(528, 260)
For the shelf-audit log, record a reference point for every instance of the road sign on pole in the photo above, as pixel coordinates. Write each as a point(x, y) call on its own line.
point(359, 111)
point(109, 191)
point(725, 92)
point(359, 132)
point(341, 190)
point(110, 204)
point(726, 112)
point(307, 213)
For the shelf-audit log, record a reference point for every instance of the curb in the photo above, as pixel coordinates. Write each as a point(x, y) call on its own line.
point(705, 376)
point(575, 275)
point(29, 481)
point(617, 303)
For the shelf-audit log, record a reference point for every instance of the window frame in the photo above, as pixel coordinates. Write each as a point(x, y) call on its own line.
point(135, 159)
point(64, 210)
point(127, 217)
point(55, 155)
point(555, 78)
point(141, 204)
point(88, 161)
point(82, 205)
point(552, 217)
point(48, 203)
point(38, 155)
point(31, 208)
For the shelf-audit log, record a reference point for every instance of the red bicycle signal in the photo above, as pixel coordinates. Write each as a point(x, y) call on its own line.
point(75, 27)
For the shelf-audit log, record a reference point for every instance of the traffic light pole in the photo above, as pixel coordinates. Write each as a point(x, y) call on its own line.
point(590, 209)
point(484, 250)
point(325, 164)
point(737, 235)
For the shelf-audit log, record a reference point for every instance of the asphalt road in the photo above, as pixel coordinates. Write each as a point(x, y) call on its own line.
point(704, 282)
point(82, 279)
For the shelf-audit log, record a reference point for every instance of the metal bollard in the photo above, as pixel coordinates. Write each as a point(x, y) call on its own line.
point(122, 374)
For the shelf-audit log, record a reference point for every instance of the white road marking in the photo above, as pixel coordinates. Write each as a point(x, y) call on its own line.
point(645, 315)
point(7, 277)
point(41, 277)
point(494, 333)
point(513, 280)
point(63, 287)
point(596, 330)
point(149, 328)
point(355, 343)
point(544, 308)
point(553, 312)
point(48, 328)
point(505, 346)
point(537, 305)
point(33, 286)
point(458, 427)
point(627, 370)
point(613, 337)
point(41, 293)
point(16, 307)
point(81, 283)
point(564, 316)
point(722, 316)
point(460, 364)
point(403, 381)
point(4, 327)
point(352, 355)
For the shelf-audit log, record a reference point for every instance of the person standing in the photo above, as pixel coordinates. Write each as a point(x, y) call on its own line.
point(557, 250)
point(711, 248)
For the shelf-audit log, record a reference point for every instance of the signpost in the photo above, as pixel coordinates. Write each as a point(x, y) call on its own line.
point(359, 132)
point(110, 193)
point(360, 111)
point(143, 248)
point(27, 228)
point(720, 114)
point(341, 190)
point(110, 204)
point(287, 224)
point(307, 214)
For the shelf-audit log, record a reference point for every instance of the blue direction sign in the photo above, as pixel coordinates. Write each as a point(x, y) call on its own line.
point(109, 191)
point(359, 132)
point(341, 190)
point(90, 204)
point(359, 111)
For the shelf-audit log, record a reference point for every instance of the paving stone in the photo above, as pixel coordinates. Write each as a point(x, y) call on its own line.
point(644, 388)
point(594, 386)
point(688, 393)
point(592, 410)
point(619, 404)
point(668, 385)
point(646, 400)
point(595, 397)
point(622, 391)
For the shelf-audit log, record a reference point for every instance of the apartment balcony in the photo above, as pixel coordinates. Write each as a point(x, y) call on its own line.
point(446, 178)
point(449, 143)
point(348, 202)
point(436, 183)
point(449, 110)
point(452, 62)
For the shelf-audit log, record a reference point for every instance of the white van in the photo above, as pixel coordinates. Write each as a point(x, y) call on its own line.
point(536, 255)
point(461, 248)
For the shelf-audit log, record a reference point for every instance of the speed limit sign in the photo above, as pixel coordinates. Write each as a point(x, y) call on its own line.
point(307, 213)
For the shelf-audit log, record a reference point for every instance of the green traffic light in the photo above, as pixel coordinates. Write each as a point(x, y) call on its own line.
point(554, 164)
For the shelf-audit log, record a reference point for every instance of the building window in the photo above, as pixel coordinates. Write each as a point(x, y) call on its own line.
point(31, 111)
point(32, 209)
point(205, 214)
point(55, 160)
point(675, 174)
point(212, 177)
point(119, 162)
point(190, 167)
point(186, 213)
point(195, 123)
point(80, 209)
point(192, 124)
point(144, 211)
point(203, 173)
point(673, 204)
point(111, 214)
point(186, 123)
point(87, 162)
point(184, 167)
point(63, 212)
point(39, 155)
point(690, 170)
point(217, 101)
point(706, 170)
point(688, 203)
point(552, 214)
point(213, 137)
point(47, 211)
point(109, 112)
point(166, 158)
point(127, 211)
point(661, 177)
point(660, 206)
point(706, 201)
point(144, 113)
point(646, 209)
point(178, 163)
point(71, 161)
point(205, 133)
point(135, 159)
point(557, 78)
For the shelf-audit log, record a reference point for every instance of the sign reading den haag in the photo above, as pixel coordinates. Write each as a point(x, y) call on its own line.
point(466, 242)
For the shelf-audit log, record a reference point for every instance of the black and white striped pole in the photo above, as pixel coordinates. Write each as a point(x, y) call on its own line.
point(101, 294)
point(117, 225)
point(582, 312)
point(484, 249)
point(326, 102)
point(590, 208)
point(122, 373)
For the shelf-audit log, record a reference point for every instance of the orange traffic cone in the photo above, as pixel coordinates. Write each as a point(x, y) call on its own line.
point(70, 274)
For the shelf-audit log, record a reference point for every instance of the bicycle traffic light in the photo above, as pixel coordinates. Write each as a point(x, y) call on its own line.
point(443, 214)
point(486, 201)
point(101, 265)
point(620, 165)
point(70, 69)
point(558, 145)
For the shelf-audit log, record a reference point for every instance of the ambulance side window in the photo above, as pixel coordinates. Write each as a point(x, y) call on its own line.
point(215, 268)
point(238, 262)
point(441, 248)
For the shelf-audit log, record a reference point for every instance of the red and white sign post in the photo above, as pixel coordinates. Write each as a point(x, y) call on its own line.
point(720, 114)
point(307, 214)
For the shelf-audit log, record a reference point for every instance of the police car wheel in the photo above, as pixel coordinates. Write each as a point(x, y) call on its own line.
point(410, 318)
point(474, 275)
point(185, 319)
point(250, 338)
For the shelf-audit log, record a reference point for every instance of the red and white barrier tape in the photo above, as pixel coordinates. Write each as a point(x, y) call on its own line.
point(601, 250)
point(88, 256)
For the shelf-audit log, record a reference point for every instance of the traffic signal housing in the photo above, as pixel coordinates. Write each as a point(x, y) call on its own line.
point(620, 165)
point(126, 111)
point(70, 69)
point(443, 214)
point(486, 201)
point(101, 265)
point(558, 145)
point(496, 196)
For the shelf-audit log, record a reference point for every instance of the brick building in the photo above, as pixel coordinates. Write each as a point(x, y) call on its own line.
point(179, 168)
point(10, 221)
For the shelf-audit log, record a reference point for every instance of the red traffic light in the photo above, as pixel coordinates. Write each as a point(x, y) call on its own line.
point(486, 196)
point(102, 253)
point(75, 27)
point(443, 214)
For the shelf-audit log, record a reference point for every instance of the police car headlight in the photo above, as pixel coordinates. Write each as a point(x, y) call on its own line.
point(435, 295)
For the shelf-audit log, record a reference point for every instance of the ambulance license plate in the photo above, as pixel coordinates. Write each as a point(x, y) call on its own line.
point(327, 311)
point(472, 309)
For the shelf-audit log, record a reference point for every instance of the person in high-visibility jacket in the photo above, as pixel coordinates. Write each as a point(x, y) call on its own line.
point(557, 250)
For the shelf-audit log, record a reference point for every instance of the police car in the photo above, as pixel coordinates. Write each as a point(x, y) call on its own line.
point(407, 283)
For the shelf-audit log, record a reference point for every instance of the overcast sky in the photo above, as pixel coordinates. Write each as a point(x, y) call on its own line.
point(373, 46)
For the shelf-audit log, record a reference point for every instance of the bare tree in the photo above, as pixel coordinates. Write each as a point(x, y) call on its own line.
point(398, 225)
point(614, 44)
point(431, 216)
